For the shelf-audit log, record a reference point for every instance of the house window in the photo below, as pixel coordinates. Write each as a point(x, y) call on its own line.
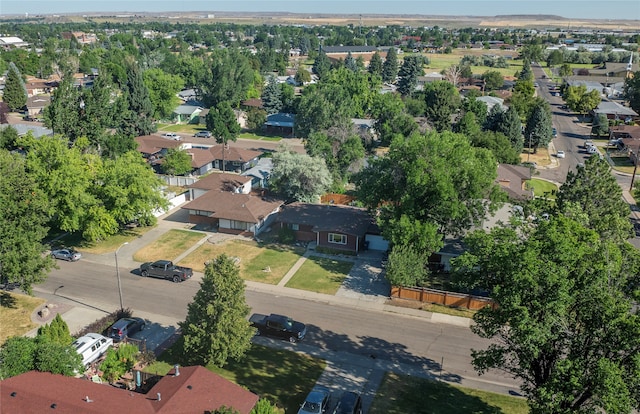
point(239, 225)
point(337, 238)
point(294, 226)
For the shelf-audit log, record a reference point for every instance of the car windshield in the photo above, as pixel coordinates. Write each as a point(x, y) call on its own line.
point(311, 407)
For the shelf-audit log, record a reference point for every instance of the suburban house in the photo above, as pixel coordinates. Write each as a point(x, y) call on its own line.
point(235, 159)
point(280, 123)
point(590, 85)
point(629, 136)
point(512, 179)
point(153, 147)
point(614, 110)
point(225, 201)
point(24, 129)
point(11, 42)
point(492, 101)
point(201, 159)
point(183, 390)
point(260, 173)
point(332, 226)
point(187, 113)
point(36, 105)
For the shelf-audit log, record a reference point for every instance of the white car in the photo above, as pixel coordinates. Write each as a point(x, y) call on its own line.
point(560, 154)
point(172, 135)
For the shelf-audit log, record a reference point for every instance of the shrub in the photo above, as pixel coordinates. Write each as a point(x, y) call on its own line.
point(286, 235)
point(102, 324)
point(119, 361)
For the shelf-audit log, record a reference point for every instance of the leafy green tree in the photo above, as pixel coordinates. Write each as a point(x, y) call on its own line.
point(22, 224)
point(498, 144)
point(555, 58)
point(375, 65)
point(321, 64)
point(56, 358)
point(579, 100)
point(216, 328)
point(299, 177)
point(138, 118)
point(436, 178)
point(521, 99)
point(302, 76)
point(224, 127)
point(225, 410)
point(492, 80)
point(63, 114)
point(408, 75)
point(229, 78)
point(8, 137)
point(16, 356)
point(565, 70)
point(478, 108)
point(163, 88)
point(592, 196)
point(177, 162)
point(118, 361)
point(509, 125)
point(406, 266)
point(319, 108)
point(565, 325)
point(256, 118)
point(442, 100)
point(468, 125)
point(264, 406)
point(538, 130)
point(632, 91)
point(272, 96)
point(100, 112)
point(390, 66)
point(600, 125)
point(57, 331)
point(15, 93)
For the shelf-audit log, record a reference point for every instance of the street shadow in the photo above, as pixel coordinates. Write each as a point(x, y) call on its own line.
point(368, 278)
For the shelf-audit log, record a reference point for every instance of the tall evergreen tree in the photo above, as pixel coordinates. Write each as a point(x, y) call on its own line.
point(510, 125)
point(272, 96)
point(15, 92)
point(138, 119)
point(216, 328)
point(224, 127)
point(408, 75)
point(442, 100)
point(350, 63)
point(321, 65)
point(375, 65)
point(538, 131)
point(63, 114)
point(390, 66)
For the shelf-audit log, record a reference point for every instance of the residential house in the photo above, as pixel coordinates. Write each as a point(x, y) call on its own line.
point(192, 389)
point(201, 159)
point(187, 113)
point(281, 123)
point(153, 147)
point(629, 136)
point(10, 42)
point(225, 201)
point(590, 85)
point(235, 159)
point(187, 95)
point(24, 129)
point(512, 179)
point(36, 105)
point(336, 227)
point(614, 110)
point(80, 37)
point(260, 173)
point(492, 101)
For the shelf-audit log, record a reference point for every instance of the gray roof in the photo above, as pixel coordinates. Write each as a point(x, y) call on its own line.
point(347, 49)
point(261, 170)
point(590, 85)
point(281, 119)
point(608, 107)
point(23, 129)
point(328, 217)
point(186, 109)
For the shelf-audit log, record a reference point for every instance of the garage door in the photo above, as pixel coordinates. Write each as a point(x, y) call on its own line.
point(376, 242)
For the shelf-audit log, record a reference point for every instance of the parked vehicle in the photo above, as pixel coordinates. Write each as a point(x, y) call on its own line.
point(91, 347)
point(554, 132)
point(172, 135)
point(317, 402)
point(202, 134)
point(560, 154)
point(165, 269)
point(278, 326)
point(592, 149)
point(125, 327)
point(349, 403)
point(66, 254)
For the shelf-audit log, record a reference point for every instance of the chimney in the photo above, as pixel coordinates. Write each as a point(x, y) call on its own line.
point(176, 367)
point(159, 397)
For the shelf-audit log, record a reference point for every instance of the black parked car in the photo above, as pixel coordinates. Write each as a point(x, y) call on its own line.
point(125, 327)
point(350, 403)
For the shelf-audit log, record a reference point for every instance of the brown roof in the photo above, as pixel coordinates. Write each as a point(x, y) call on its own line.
point(200, 157)
point(221, 182)
point(38, 101)
point(511, 178)
point(234, 154)
point(195, 390)
point(247, 208)
point(253, 102)
point(151, 144)
point(327, 217)
point(626, 131)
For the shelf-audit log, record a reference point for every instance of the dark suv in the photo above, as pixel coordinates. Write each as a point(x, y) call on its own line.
point(125, 327)
point(350, 403)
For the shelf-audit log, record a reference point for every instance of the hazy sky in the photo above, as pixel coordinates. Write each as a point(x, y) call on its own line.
point(600, 9)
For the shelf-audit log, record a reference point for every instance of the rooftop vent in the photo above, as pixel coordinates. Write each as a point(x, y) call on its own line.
point(159, 397)
point(13, 394)
point(54, 405)
point(189, 387)
point(176, 367)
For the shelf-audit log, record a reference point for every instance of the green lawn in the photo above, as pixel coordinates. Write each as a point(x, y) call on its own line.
point(110, 244)
point(319, 274)
point(623, 164)
point(253, 135)
point(281, 376)
point(169, 246)
point(399, 394)
point(542, 188)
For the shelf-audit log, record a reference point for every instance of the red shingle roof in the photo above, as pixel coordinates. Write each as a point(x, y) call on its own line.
point(233, 206)
point(221, 182)
point(151, 144)
point(195, 390)
point(234, 154)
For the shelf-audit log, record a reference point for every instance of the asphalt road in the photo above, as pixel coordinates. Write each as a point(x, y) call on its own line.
point(392, 338)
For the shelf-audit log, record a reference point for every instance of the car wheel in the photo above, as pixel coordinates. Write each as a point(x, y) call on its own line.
point(145, 273)
point(293, 339)
point(176, 279)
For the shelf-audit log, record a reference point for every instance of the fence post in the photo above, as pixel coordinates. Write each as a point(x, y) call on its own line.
point(468, 301)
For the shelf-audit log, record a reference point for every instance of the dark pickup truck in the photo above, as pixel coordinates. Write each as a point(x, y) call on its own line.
point(278, 326)
point(165, 269)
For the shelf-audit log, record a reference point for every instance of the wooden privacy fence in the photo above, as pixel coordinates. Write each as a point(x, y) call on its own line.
point(441, 297)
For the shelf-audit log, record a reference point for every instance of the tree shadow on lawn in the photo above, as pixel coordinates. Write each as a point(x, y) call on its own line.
point(7, 300)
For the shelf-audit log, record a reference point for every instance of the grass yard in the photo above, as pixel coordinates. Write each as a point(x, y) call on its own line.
point(438, 62)
point(169, 246)
point(281, 376)
point(541, 157)
point(321, 275)
point(399, 394)
point(253, 135)
point(622, 164)
point(542, 187)
point(254, 259)
point(15, 314)
point(104, 246)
